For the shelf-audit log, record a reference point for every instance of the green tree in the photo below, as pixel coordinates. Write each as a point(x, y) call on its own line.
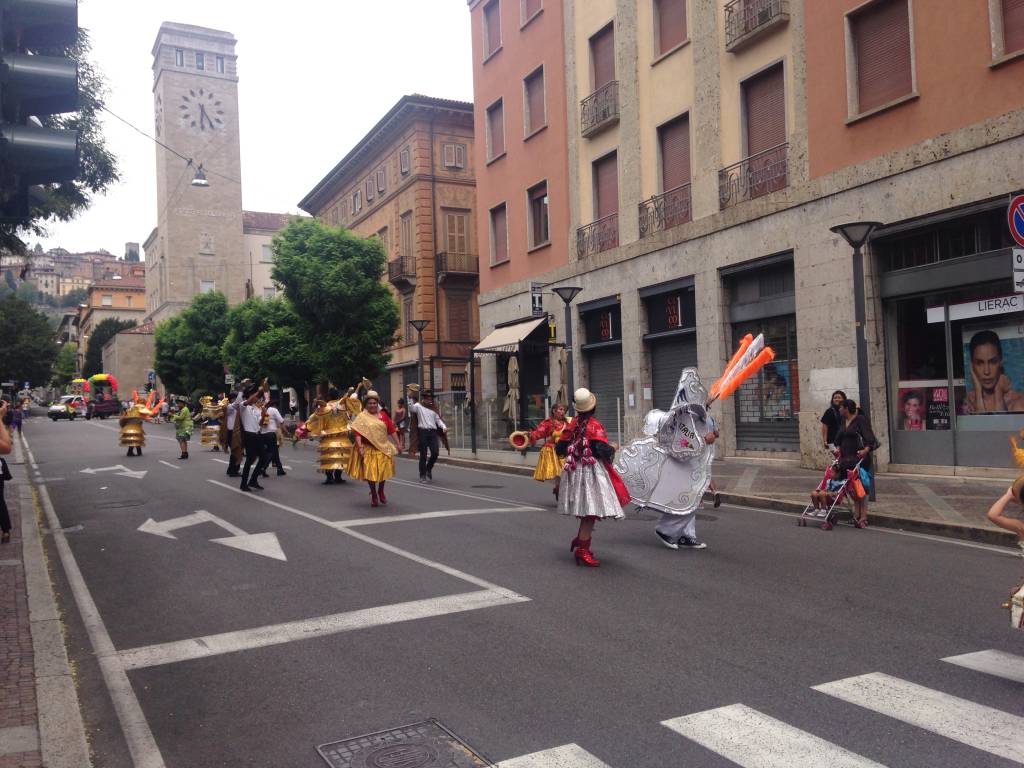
point(64, 367)
point(74, 297)
point(332, 278)
point(29, 347)
point(267, 338)
point(101, 334)
point(188, 345)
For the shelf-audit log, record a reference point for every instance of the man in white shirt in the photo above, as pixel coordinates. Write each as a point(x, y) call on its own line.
point(269, 433)
point(250, 414)
point(428, 427)
point(231, 414)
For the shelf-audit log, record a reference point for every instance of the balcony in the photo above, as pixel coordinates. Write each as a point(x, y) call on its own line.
point(601, 235)
point(402, 270)
point(600, 110)
point(457, 265)
point(664, 211)
point(746, 20)
point(756, 176)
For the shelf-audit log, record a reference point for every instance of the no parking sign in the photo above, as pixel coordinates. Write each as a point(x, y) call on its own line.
point(1015, 218)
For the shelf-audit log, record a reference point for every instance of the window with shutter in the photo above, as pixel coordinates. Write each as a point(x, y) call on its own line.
point(456, 227)
point(370, 189)
point(602, 57)
point(674, 141)
point(535, 115)
point(403, 161)
point(458, 317)
point(407, 316)
point(382, 235)
point(406, 222)
point(357, 201)
point(537, 198)
point(460, 155)
point(382, 180)
point(765, 105)
point(499, 235)
point(492, 27)
point(448, 151)
point(606, 186)
point(670, 18)
point(881, 49)
point(530, 8)
point(495, 130)
point(1013, 26)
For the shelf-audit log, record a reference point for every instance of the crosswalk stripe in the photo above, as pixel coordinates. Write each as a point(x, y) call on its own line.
point(998, 663)
point(975, 725)
point(568, 756)
point(750, 738)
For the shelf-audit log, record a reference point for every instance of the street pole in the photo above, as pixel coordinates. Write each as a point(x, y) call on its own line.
point(860, 321)
point(570, 388)
point(419, 325)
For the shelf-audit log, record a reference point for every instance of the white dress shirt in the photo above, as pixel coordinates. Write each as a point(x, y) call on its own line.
point(426, 418)
point(250, 417)
point(232, 410)
point(274, 421)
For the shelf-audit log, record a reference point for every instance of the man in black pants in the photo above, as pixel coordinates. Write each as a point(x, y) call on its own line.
point(249, 417)
point(231, 415)
point(428, 428)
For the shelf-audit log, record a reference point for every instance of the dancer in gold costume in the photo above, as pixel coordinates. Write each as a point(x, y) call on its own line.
point(133, 436)
point(211, 418)
point(373, 460)
point(330, 422)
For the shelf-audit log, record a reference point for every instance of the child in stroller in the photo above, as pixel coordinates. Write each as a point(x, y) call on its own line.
point(824, 496)
point(832, 496)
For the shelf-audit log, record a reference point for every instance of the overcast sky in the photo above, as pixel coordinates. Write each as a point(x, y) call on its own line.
point(314, 77)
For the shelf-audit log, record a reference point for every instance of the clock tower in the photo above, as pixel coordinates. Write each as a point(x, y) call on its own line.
point(198, 241)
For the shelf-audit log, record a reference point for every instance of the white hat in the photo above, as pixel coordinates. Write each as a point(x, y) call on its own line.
point(584, 400)
point(372, 395)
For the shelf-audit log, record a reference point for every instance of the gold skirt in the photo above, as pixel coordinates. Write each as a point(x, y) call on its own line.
point(549, 465)
point(373, 466)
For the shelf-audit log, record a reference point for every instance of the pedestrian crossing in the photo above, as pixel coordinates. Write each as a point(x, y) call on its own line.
point(753, 739)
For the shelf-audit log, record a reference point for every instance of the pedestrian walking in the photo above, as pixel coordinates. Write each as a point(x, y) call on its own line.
point(270, 434)
point(429, 428)
point(856, 441)
point(373, 459)
point(182, 420)
point(591, 488)
point(250, 415)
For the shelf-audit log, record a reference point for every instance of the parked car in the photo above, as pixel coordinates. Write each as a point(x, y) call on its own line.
point(101, 409)
point(68, 407)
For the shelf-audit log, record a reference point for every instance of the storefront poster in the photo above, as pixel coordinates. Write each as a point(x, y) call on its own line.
point(778, 400)
point(993, 368)
point(913, 404)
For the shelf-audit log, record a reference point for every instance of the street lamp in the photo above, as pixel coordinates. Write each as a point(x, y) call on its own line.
point(419, 325)
point(567, 293)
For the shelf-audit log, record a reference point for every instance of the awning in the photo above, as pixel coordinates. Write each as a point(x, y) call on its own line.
point(509, 338)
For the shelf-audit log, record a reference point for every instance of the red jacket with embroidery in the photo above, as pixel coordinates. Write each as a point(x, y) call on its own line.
point(551, 429)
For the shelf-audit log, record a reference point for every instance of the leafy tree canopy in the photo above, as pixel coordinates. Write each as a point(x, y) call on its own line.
point(332, 278)
point(64, 367)
point(29, 347)
point(188, 358)
point(74, 297)
point(267, 338)
point(101, 334)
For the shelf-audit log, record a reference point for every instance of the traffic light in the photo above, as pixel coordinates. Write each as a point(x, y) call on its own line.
point(37, 79)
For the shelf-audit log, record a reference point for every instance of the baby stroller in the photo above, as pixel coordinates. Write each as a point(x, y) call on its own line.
point(835, 487)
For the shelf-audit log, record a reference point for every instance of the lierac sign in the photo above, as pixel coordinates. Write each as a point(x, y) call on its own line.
point(996, 305)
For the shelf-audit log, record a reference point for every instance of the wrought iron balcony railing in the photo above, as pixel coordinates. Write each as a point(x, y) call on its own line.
point(747, 19)
point(600, 235)
point(667, 210)
point(600, 109)
point(756, 176)
point(457, 264)
point(402, 270)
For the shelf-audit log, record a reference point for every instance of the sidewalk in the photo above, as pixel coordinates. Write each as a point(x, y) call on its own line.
point(945, 506)
point(40, 722)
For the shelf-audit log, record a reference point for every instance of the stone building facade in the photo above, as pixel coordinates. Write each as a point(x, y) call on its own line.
point(411, 182)
point(776, 121)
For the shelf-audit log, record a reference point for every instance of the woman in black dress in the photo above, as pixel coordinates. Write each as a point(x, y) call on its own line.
point(831, 420)
point(856, 441)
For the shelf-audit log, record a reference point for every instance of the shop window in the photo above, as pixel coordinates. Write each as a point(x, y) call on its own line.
point(603, 325)
point(773, 394)
point(964, 237)
point(671, 311)
point(458, 382)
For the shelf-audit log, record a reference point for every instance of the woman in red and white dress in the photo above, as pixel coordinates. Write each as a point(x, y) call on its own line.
point(591, 488)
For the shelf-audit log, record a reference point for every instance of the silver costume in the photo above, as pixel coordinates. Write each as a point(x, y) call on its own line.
point(669, 469)
point(587, 491)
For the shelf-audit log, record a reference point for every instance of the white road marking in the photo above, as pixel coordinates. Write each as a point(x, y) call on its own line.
point(265, 544)
point(117, 469)
point(276, 634)
point(116, 429)
point(220, 461)
point(755, 740)
point(429, 516)
point(568, 756)
point(433, 488)
point(137, 733)
point(998, 663)
point(975, 725)
point(168, 464)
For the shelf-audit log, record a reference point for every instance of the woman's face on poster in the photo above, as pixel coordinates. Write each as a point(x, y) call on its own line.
point(987, 364)
point(912, 409)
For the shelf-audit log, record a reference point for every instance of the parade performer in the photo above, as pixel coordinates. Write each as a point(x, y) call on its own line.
point(211, 418)
point(592, 489)
point(549, 463)
point(270, 433)
point(133, 436)
point(997, 514)
point(373, 459)
point(182, 420)
point(331, 423)
point(428, 431)
point(250, 419)
point(669, 470)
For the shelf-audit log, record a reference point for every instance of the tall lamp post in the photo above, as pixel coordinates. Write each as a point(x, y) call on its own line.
point(420, 325)
point(567, 293)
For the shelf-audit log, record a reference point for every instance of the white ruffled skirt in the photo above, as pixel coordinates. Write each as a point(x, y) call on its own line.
point(587, 491)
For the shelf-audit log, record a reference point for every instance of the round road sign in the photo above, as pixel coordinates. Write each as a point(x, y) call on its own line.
point(1015, 218)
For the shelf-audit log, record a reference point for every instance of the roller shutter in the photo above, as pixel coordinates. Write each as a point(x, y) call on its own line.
point(605, 376)
point(668, 358)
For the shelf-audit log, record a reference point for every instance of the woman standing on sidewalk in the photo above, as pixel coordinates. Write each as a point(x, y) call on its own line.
point(831, 420)
point(856, 440)
point(373, 459)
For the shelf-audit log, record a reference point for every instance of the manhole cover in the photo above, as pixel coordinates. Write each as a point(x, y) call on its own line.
point(420, 745)
point(492, 487)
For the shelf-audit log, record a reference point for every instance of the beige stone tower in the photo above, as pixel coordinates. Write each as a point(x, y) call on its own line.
point(198, 245)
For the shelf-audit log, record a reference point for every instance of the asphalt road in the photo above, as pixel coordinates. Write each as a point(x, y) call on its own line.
point(194, 652)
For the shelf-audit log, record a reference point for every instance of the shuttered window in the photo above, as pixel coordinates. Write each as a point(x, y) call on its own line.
point(499, 235)
point(406, 222)
point(1013, 26)
point(385, 241)
point(538, 201)
point(382, 176)
point(495, 130)
point(606, 186)
point(408, 316)
point(454, 155)
point(371, 188)
point(492, 27)
point(670, 16)
point(765, 102)
point(881, 46)
point(403, 161)
point(455, 231)
point(533, 88)
point(458, 317)
point(530, 9)
point(674, 139)
point(602, 56)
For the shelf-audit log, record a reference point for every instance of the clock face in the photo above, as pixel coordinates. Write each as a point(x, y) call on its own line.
point(201, 110)
point(159, 114)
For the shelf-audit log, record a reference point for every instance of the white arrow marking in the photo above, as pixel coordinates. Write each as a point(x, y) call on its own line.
point(265, 544)
point(120, 469)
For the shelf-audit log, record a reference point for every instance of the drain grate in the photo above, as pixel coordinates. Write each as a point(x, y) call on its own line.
point(421, 745)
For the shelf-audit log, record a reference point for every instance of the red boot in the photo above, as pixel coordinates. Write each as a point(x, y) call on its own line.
point(380, 494)
point(585, 557)
point(373, 496)
point(574, 543)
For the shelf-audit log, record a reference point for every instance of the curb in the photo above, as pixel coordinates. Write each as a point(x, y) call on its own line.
point(879, 519)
